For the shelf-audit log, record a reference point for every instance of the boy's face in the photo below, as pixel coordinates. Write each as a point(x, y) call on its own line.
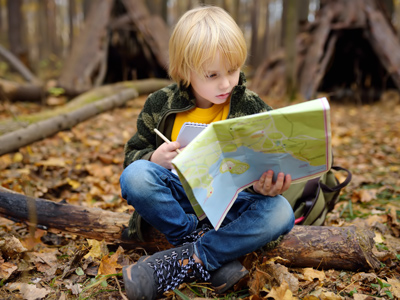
point(216, 86)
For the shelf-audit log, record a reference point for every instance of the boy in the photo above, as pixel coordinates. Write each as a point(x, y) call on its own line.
point(206, 50)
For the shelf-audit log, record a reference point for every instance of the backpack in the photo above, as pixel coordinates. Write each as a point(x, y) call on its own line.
point(313, 199)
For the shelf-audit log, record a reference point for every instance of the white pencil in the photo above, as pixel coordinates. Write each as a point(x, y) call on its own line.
point(164, 138)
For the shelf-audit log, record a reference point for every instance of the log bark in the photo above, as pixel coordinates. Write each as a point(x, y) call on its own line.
point(344, 248)
point(12, 141)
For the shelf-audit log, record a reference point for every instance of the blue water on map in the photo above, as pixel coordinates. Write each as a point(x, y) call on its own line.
point(227, 185)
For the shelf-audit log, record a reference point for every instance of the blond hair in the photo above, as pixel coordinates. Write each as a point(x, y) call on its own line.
point(196, 38)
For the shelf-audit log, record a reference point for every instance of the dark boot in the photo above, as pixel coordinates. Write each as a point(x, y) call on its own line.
point(161, 272)
point(227, 276)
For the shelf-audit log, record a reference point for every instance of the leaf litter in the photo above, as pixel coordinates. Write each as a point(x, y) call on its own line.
point(81, 166)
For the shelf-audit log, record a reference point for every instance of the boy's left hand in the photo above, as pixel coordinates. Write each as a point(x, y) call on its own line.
point(267, 187)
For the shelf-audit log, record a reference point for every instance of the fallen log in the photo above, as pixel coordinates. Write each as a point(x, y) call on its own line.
point(13, 91)
point(75, 112)
point(88, 222)
point(325, 247)
point(12, 141)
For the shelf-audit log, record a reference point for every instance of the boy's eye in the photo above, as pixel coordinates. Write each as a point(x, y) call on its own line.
point(211, 75)
point(232, 71)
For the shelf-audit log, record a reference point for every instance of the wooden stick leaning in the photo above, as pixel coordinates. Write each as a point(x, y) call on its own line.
point(164, 138)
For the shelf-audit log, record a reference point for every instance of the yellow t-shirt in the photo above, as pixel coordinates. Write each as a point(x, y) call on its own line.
point(217, 112)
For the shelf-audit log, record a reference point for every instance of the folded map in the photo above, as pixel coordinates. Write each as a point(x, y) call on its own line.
point(230, 155)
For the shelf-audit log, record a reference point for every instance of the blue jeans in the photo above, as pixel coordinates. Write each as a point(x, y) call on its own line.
point(253, 221)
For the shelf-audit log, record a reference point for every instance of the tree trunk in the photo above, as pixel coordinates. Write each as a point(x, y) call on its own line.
point(255, 20)
point(344, 248)
point(152, 28)
point(74, 113)
point(89, 52)
point(14, 15)
point(290, 48)
point(71, 14)
point(384, 41)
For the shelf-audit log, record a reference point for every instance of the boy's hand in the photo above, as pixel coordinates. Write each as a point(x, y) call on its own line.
point(267, 187)
point(165, 154)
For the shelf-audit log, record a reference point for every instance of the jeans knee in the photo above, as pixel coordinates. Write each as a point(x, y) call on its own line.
point(133, 179)
point(284, 212)
point(280, 216)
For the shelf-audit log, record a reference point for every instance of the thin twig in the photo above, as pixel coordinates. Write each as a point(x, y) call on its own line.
point(119, 287)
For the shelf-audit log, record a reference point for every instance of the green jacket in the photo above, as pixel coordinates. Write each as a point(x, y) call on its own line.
point(160, 110)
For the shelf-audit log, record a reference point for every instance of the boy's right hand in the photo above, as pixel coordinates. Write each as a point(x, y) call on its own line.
point(165, 154)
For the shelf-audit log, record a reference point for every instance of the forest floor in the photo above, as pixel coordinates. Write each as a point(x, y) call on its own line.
point(82, 166)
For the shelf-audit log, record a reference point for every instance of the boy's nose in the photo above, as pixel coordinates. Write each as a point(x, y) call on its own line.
point(224, 83)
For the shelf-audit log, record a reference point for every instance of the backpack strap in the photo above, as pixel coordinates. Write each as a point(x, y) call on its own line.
point(339, 186)
point(313, 188)
point(308, 198)
point(308, 195)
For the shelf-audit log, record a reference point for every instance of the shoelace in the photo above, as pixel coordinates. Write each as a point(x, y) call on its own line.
point(171, 273)
point(195, 235)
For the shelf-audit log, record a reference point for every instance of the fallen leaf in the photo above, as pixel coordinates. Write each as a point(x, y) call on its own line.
point(364, 297)
point(29, 291)
point(311, 274)
point(52, 162)
point(106, 158)
point(18, 157)
point(330, 296)
point(258, 281)
point(367, 195)
point(281, 274)
point(76, 289)
point(11, 247)
point(281, 293)
point(45, 262)
point(6, 269)
point(394, 287)
point(378, 237)
point(98, 249)
point(109, 264)
point(364, 277)
point(73, 183)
